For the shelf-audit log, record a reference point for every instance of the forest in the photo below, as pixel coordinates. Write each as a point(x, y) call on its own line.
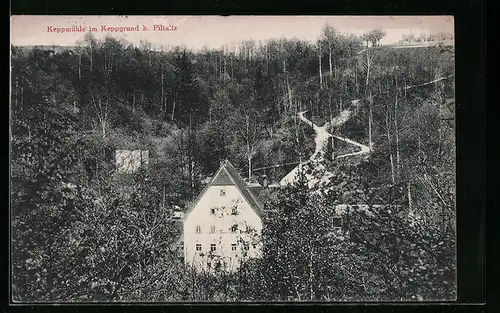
point(77, 236)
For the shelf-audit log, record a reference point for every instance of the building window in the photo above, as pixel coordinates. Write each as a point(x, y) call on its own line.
point(234, 210)
point(198, 247)
point(233, 247)
point(212, 229)
point(213, 247)
point(212, 211)
point(222, 192)
point(234, 228)
point(337, 222)
point(198, 229)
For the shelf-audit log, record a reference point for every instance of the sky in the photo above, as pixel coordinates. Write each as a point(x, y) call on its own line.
point(197, 32)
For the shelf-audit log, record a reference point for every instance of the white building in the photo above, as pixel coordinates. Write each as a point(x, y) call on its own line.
point(129, 161)
point(178, 215)
point(223, 225)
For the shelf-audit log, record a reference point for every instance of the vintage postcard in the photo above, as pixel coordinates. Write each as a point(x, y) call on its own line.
point(229, 159)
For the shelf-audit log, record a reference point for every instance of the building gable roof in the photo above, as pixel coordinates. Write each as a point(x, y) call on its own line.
point(222, 179)
point(227, 175)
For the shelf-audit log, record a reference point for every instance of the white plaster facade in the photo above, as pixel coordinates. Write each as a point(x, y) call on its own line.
point(223, 218)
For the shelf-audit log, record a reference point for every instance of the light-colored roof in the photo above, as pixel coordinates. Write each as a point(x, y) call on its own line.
point(227, 175)
point(294, 175)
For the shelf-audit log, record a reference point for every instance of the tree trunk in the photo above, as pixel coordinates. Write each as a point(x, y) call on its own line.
point(249, 150)
point(333, 147)
point(232, 67)
point(289, 93)
point(225, 70)
point(370, 121)
point(408, 187)
point(320, 74)
point(249, 164)
point(335, 68)
point(440, 131)
point(162, 100)
point(80, 67)
point(221, 65)
point(396, 131)
point(443, 220)
point(330, 59)
point(299, 147)
point(105, 64)
point(110, 67)
point(16, 91)
point(368, 65)
point(191, 170)
point(173, 111)
point(391, 158)
point(190, 158)
point(330, 105)
point(356, 84)
point(267, 62)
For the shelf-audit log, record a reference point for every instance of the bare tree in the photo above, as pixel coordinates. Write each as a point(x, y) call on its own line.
point(368, 64)
point(377, 35)
point(370, 121)
point(102, 112)
point(320, 50)
point(387, 129)
point(329, 37)
point(91, 43)
point(250, 135)
point(79, 50)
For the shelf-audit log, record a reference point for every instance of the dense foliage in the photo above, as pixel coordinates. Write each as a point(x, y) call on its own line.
point(81, 232)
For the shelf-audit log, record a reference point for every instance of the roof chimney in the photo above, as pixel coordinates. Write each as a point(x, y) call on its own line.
point(222, 162)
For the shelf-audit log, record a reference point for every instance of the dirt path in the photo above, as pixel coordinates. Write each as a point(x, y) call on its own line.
point(428, 83)
point(322, 134)
point(321, 141)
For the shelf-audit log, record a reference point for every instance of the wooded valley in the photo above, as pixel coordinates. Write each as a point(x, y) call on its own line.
point(76, 236)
